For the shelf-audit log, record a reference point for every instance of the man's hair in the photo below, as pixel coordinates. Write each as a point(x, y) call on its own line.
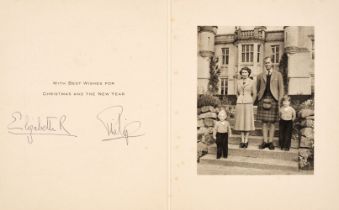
point(268, 57)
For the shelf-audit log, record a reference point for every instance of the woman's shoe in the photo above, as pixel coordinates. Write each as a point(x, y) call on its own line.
point(246, 145)
point(241, 145)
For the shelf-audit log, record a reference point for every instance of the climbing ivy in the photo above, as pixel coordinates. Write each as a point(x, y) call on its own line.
point(214, 76)
point(283, 67)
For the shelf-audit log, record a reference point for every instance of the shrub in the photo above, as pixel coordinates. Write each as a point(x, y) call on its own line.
point(208, 100)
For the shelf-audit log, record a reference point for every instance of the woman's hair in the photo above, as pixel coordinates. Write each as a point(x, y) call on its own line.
point(245, 69)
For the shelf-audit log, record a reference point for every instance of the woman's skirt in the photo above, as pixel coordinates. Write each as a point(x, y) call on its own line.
point(244, 117)
point(271, 115)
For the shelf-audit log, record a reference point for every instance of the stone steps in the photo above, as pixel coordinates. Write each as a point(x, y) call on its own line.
point(257, 140)
point(251, 162)
point(254, 152)
point(210, 169)
point(252, 159)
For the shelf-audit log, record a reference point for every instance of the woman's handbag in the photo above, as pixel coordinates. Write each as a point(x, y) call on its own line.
point(267, 103)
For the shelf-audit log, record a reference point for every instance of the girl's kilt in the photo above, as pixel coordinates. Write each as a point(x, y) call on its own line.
point(270, 115)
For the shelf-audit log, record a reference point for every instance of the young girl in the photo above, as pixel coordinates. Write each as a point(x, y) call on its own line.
point(287, 116)
point(221, 131)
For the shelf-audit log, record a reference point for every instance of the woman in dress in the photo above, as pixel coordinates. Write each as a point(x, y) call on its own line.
point(246, 94)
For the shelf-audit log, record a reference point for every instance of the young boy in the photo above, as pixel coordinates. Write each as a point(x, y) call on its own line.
point(287, 116)
point(221, 131)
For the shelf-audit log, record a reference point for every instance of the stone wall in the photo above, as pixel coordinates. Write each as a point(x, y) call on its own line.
point(207, 115)
point(306, 131)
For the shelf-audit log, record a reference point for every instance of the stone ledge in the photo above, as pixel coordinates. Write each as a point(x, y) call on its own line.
point(249, 162)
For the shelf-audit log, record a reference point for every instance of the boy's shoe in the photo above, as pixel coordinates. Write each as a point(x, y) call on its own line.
point(263, 145)
point(271, 146)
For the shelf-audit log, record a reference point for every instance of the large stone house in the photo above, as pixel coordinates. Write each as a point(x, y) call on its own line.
point(294, 44)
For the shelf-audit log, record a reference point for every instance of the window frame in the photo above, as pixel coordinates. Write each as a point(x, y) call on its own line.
point(312, 41)
point(223, 86)
point(247, 53)
point(275, 53)
point(258, 52)
point(225, 56)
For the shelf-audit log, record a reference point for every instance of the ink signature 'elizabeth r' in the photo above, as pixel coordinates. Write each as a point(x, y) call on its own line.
point(27, 126)
point(111, 119)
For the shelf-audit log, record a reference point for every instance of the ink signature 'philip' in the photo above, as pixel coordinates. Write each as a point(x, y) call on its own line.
point(111, 119)
point(29, 126)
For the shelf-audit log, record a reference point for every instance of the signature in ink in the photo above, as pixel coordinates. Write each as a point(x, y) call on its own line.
point(111, 119)
point(26, 126)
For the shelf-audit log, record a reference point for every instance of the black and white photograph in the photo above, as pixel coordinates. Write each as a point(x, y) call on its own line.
point(169, 105)
point(255, 100)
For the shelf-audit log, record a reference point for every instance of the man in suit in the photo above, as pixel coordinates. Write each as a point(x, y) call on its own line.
point(270, 89)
